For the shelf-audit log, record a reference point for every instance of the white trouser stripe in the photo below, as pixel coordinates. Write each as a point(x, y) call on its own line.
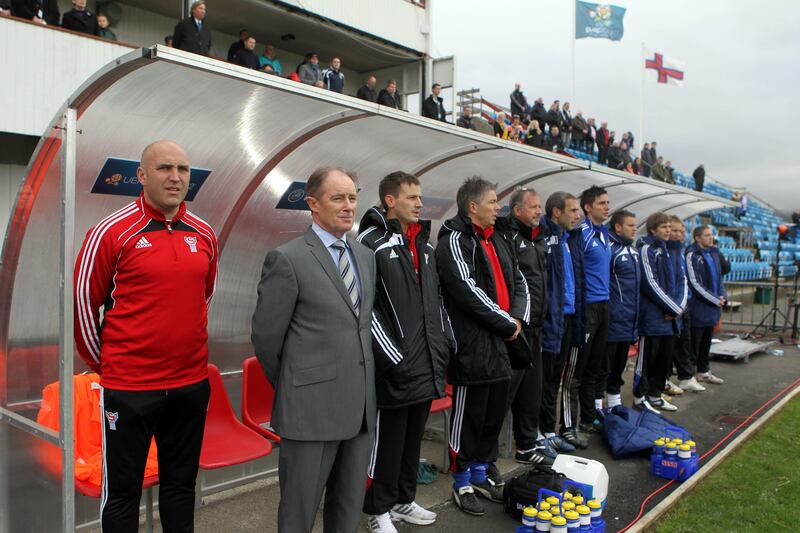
point(374, 455)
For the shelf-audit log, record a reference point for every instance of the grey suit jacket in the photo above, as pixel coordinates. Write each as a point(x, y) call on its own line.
point(314, 349)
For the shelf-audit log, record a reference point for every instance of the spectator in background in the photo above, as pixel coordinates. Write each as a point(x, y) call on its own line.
point(626, 139)
point(579, 130)
point(38, 11)
point(105, 31)
point(553, 140)
point(238, 45)
point(332, 77)
point(269, 58)
point(192, 34)
point(80, 19)
point(636, 167)
point(624, 156)
point(433, 106)
point(500, 128)
point(168, 41)
point(602, 140)
point(670, 172)
point(591, 134)
point(5, 8)
point(659, 172)
point(465, 120)
point(653, 153)
point(614, 157)
point(539, 113)
point(699, 176)
point(566, 128)
point(630, 141)
point(389, 96)
point(246, 57)
point(795, 216)
point(647, 163)
point(309, 72)
point(519, 104)
point(367, 91)
point(516, 124)
point(535, 137)
point(554, 117)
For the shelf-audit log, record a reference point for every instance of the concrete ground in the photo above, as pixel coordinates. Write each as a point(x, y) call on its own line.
point(709, 416)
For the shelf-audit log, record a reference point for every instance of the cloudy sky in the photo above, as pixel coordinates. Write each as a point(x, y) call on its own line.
point(737, 112)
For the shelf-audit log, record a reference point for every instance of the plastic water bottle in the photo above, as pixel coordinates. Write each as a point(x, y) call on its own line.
point(544, 506)
point(567, 506)
point(671, 451)
point(577, 500)
point(585, 518)
point(573, 521)
point(677, 440)
point(555, 510)
point(543, 521)
point(558, 525)
point(693, 445)
point(596, 512)
point(658, 447)
point(566, 496)
point(684, 461)
point(552, 500)
point(528, 520)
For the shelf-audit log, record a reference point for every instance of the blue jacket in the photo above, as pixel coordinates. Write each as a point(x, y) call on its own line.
point(675, 249)
point(704, 272)
point(663, 289)
point(623, 302)
point(553, 328)
point(596, 259)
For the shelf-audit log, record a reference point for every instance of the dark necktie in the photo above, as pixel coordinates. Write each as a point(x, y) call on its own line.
point(348, 276)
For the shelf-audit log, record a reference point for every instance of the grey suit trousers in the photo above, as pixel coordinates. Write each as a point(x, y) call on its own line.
point(340, 467)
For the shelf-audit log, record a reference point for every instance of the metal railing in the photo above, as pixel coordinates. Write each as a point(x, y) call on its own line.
point(751, 301)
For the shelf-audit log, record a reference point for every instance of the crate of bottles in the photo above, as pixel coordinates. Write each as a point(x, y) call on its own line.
point(674, 455)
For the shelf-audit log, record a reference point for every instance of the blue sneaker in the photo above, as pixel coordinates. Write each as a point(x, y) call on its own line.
point(546, 448)
point(560, 444)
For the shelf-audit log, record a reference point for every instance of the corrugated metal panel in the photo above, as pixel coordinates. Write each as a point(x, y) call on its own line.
point(10, 178)
point(41, 68)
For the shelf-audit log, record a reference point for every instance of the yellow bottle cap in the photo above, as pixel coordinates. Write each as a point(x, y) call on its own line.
point(559, 521)
point(555, 510)
point(594, 504)
point(582, 509)
point(691, 443)
point(544, 515)
point(530, 512)
point(566, 496)
point(571, 515)
point(552, 500)
point(577, 500)
point(671, 445)
point(544, 506)
point(676, 440)
point(567, 506)
point(684, 447)
point(659, 442)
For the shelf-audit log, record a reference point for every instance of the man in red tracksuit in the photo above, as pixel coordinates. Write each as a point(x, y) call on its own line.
point(152, 267)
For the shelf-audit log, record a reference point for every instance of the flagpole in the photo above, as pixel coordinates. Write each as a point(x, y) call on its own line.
point(641, 97)
point(572, 38)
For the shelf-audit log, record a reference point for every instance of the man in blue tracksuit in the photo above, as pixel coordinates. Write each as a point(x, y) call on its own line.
point(708, 297)
point(563, 331)
point(590, 363)
point(662, 301)
point(675, 245)
point(623, 303)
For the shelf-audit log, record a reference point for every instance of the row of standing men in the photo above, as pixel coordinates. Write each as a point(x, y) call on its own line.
point(357, 337)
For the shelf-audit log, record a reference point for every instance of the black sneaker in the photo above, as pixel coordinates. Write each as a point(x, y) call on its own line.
point(466, 500)
point(574, 437)
point(595, 427)
point(488, 491)
point(534, 457)
point(645, 405)
point(494, 476)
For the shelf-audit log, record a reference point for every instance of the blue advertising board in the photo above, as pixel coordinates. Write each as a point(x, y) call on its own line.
point(118, 177)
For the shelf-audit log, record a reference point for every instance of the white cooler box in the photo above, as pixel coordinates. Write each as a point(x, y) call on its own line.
point(587, 471)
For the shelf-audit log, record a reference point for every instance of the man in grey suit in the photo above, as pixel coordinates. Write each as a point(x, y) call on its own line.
point(311, 333)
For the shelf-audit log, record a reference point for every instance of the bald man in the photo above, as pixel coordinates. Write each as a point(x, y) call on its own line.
point(151, 266)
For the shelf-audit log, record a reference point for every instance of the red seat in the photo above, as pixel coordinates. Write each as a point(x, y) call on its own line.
point(443, 405)
point(257, 396)
point(226, 441)
point(93, 491)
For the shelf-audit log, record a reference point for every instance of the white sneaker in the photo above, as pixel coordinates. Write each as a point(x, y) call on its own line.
point(413, 513)
point(645, 405)
point(691, 385)
point(708, 377)
point(380, 523)
point(664, 405)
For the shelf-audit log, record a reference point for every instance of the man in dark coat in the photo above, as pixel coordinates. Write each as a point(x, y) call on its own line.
point(433, 107)
point(367, 91)
point(246, 57)
point(602, 139)
point(539, 113)
point(389, 96)
point(40, 11)
point(465, 120)
point(238, 45)
point(192, 34)
point(554, 116)
point(487, 299)
point(647, 162)
point(412, 342)
point(519, 104)
point(699, 176)
point(80, 19)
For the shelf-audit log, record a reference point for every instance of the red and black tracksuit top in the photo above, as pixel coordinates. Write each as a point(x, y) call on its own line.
point(153, 279)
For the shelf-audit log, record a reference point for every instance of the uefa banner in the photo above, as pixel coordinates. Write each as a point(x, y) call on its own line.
point(599, 21)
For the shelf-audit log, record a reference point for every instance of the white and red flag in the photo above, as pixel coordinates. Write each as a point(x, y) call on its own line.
point(664, 69)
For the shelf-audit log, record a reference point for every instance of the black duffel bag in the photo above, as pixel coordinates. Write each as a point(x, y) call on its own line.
point(522, 491)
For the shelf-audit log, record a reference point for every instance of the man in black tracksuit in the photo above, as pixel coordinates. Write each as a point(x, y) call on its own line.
point(412, 341)
point(487, 299)
point(525, 394)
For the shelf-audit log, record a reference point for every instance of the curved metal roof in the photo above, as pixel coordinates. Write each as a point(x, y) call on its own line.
point(257, 134)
